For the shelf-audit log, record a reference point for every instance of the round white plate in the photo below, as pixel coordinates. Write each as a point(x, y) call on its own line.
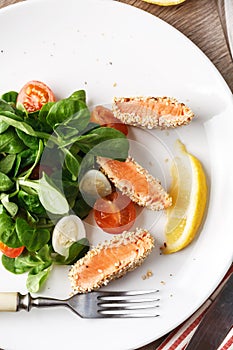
point(112, 49)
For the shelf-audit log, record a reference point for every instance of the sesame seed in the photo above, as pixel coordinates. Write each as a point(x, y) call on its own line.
point(149, 273)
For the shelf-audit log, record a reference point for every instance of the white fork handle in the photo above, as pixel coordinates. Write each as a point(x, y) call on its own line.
point(8, 301)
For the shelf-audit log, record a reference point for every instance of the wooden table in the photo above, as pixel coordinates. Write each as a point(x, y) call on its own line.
point(199, 21)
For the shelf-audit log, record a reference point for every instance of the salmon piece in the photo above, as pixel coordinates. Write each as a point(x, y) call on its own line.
point(104, 116)
point(152, 112)
point(110, 260)
point(135, 182)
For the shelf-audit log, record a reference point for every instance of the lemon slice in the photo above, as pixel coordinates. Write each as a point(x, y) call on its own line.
point(189, 195)
point(165, 2)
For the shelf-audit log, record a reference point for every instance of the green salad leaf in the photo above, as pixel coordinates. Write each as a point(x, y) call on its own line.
point(6, 163)
point(8, 234)
point(43, 155)
point(10, 97)
point(31, 237)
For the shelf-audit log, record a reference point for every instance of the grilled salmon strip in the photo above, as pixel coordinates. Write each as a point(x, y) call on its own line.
point(110, 260)
point(151, 112)
point(135, 182)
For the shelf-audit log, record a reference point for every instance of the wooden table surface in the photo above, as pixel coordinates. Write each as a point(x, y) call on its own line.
point(199, 21)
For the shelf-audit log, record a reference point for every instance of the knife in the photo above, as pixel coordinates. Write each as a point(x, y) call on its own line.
point(217, 321)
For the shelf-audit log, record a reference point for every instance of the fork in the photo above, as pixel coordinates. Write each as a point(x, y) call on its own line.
point(103, 304)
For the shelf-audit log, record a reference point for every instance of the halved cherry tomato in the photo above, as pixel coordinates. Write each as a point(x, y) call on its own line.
point(114, 213)
point(104, 116)
point(11, 252)
point(34, 95)
point(38, 170)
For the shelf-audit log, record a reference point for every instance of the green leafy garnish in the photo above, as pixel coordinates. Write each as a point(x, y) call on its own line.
point(43, 155)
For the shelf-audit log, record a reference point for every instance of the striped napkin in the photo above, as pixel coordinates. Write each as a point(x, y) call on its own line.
point(179, 338)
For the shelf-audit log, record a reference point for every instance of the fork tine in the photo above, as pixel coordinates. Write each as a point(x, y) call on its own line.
point(129, 307)
point(104, 294)
point(124, 297)
point(128, 315)
point(126, 301)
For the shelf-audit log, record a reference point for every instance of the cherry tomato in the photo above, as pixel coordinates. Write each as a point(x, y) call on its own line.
point(34, 95)
point(114, 213)
point(38, 170)
point(103, 116)
point(10, 252)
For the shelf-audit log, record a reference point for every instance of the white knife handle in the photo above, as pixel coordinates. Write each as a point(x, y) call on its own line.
point(8, 301)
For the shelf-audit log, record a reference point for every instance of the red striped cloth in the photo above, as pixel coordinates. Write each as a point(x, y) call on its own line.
point(180, 337)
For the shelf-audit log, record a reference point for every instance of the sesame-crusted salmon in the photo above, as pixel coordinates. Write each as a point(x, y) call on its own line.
point(152, 112)
point(104, 116)
point(110, 260)
point(136, 182)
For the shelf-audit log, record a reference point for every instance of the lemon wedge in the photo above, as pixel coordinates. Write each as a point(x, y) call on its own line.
point(189, 195)
point(165, 2)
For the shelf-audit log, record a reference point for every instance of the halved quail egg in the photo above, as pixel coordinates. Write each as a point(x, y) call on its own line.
point(67, 230)
point(95, 184)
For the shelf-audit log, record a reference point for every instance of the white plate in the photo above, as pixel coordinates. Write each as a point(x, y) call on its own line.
point(109, 49)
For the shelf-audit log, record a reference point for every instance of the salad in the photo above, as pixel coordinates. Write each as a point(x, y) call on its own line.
point(46, 148)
